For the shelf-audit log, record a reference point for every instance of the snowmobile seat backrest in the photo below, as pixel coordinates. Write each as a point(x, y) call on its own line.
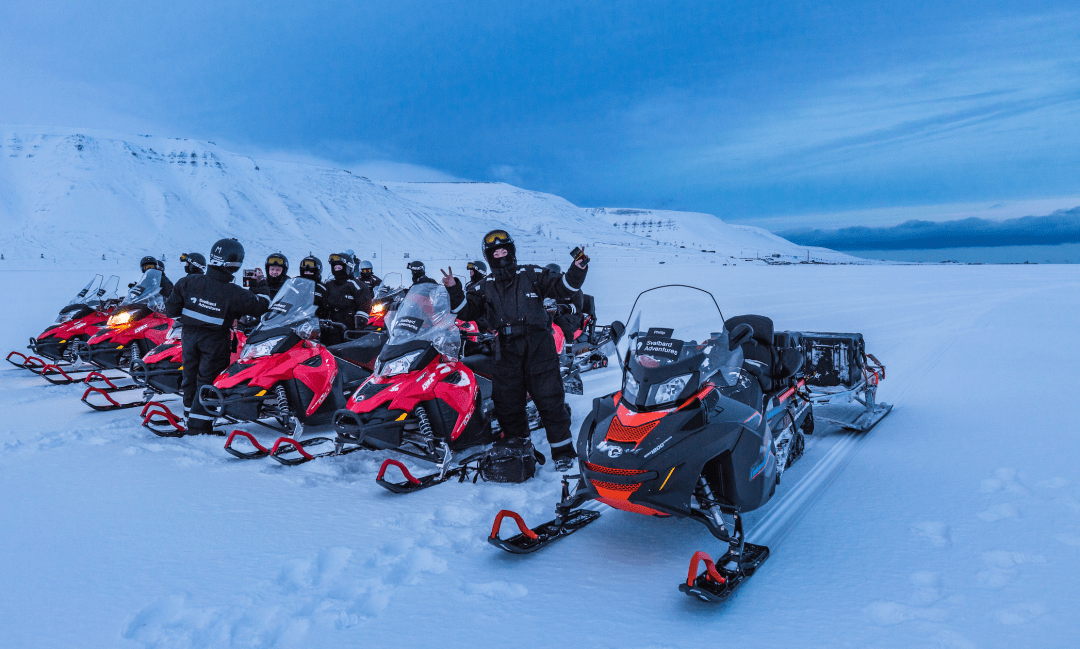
point(588, 304)
point(760, 348)
point(789, 351)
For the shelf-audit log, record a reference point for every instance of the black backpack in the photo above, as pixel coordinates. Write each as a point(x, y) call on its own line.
point(510, 460)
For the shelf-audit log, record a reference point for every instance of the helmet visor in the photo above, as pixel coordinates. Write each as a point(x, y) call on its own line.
point(277, 260)
point(497, 237)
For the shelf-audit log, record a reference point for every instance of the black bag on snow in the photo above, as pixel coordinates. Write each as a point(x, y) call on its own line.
point(509, 460)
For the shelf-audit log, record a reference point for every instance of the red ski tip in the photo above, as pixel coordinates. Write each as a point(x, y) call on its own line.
point(98, 376)
point(250, 438)
point(10, 354)
point(287, 441)
point(710, 569)
point(391, 462)
point(520, 523)
point(103, 393)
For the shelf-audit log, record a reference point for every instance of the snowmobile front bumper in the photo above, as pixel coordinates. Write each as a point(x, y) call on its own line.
point(236, 404)
point(51, 348)
point(107, 355)
point(164, 377)
point(386, 433)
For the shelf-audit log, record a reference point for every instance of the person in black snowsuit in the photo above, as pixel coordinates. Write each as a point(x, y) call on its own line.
point(206, 306)
point(348, 302)
point(367, 275)
point(148, 263)
point(419, 273)
point(311, 268)
point(194, 263)
point(277, 273)
point(477, 272)
point(511, 298)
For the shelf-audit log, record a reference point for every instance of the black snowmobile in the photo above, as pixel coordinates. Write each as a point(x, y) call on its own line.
point(710, 415)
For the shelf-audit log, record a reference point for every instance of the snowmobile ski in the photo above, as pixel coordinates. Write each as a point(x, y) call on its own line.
point(112, 404)
point(412, 483)
point(531, 540)
point(259, 452)
point(718, 583)
point(279, 449)
point(167, 423)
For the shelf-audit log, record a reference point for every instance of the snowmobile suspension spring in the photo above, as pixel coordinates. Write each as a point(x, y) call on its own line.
point(282, 403)
point(425, 424)
point(134, 356)
point(714, 509)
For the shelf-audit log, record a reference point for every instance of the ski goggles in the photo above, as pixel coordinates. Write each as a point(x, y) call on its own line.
point(498, 238)
point(184, 257)
point(338, 259)
point(309, 264)
point(149, 266)
point(472, 266)
point(277, 260)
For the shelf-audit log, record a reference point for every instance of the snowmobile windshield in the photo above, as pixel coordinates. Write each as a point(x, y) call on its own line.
point(147, 292)
point(293, 308)
point(425, 315)
point(89, 294)
point(390, 284)
point(677, 330)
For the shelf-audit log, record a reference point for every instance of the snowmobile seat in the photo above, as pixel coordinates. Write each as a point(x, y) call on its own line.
point(481, 364)
point(760, 359)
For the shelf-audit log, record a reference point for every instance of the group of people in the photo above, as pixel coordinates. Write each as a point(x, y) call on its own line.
point(508, 300)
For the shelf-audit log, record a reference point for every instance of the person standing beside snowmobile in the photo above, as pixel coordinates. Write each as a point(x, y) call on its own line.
point(194, 263)
point(206, 306)
point(277, 273)
point(150, 263)
point(348, 302)
point(419, 273)
point(367, 275)
point(511, 298)
point(311, 268)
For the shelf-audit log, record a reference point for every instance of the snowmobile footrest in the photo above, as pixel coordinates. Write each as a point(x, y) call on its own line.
point(166, 425)
point(531, 540)
point(259, 452)
point(411, 483)
point(718, 583)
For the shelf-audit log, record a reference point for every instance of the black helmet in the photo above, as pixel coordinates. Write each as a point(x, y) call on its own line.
point(311, 265)
point(148, 263)
point(499, 239)
point(227, 254)
point(417, 269)
point(478, 268)
point(553, 268)
point(161, 265)
point(341, 259)
point(277, 259)
point(194, 263)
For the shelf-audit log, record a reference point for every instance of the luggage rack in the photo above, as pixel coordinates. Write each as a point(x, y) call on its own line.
point(839, 371)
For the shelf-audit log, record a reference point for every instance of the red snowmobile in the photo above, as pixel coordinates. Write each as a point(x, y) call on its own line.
point(84, 316)
point(135, 327)
point(709, 416)
point(285, 374)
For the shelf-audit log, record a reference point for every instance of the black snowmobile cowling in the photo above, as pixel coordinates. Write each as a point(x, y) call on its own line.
point(710, 415)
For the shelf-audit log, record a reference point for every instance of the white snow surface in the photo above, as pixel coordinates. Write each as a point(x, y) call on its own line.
point(954, 523)
point(80, 195)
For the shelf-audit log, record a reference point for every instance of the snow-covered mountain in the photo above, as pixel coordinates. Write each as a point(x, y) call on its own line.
point(78, 195)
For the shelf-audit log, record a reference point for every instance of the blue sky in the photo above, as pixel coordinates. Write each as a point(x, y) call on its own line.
point(749, 110)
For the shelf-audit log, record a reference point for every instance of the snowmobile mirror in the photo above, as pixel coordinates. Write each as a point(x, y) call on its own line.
point(742, 334)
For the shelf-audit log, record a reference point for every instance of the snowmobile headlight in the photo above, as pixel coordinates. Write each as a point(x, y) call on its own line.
point(260, 349)
point(668, 391)
point(630, 389)
point(399, 365)
point(65, 317)
point(378, 309)
point(121, 319)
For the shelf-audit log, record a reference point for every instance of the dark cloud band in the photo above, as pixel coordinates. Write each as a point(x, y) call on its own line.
point(1062, 226)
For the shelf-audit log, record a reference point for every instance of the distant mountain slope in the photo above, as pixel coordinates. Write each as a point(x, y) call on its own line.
point(78, 195)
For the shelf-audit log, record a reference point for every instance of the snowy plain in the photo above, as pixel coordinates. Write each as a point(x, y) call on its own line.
point(955, 522)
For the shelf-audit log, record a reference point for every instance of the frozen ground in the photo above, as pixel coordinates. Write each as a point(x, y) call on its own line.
point(955, 523)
